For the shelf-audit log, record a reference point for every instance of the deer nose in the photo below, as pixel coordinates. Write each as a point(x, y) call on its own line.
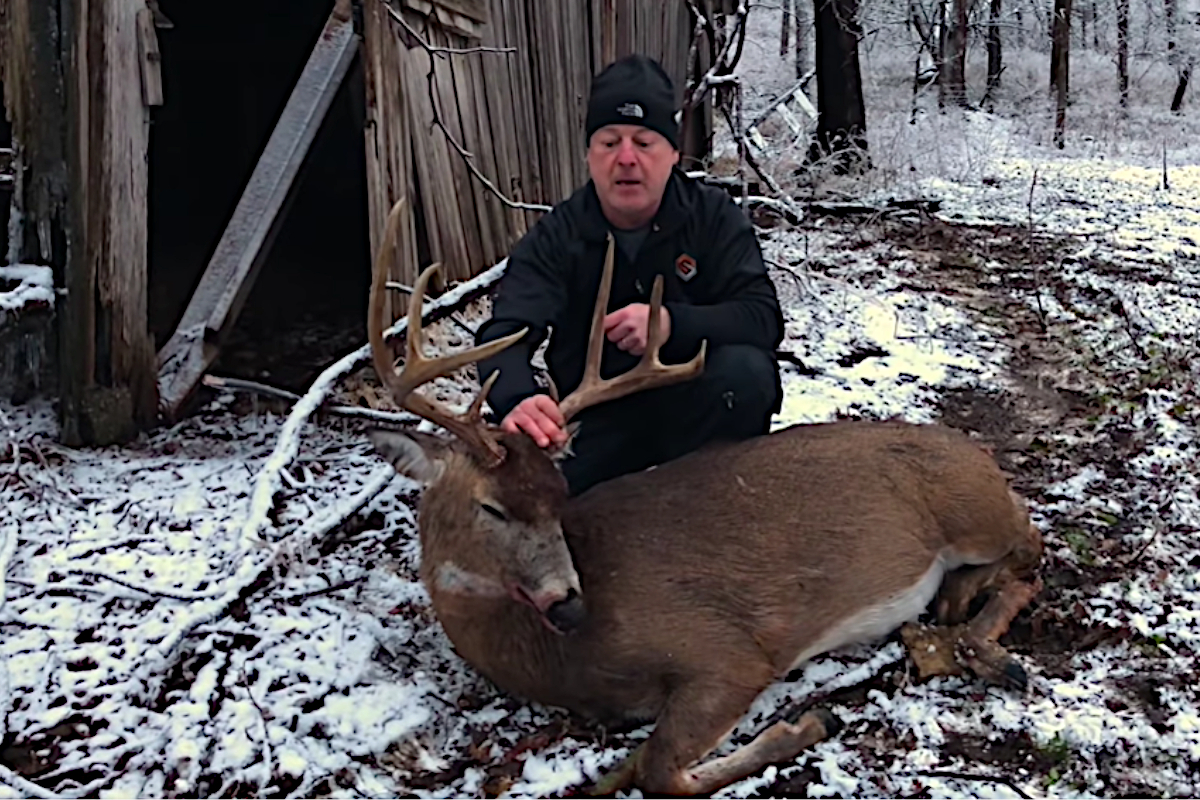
point(567, 614)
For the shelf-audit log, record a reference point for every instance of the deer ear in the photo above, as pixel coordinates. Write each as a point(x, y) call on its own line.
point(420, 456)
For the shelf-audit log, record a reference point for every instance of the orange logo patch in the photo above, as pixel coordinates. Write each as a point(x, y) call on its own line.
point(685, 267)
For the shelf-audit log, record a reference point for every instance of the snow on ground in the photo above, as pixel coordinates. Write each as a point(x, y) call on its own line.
point(163, 636)
point(188, 616)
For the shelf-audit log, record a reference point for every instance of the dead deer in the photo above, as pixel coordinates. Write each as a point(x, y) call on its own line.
point(680, 593)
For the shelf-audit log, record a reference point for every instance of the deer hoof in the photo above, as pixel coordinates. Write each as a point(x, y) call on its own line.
point(993, 664)
point(832, 725)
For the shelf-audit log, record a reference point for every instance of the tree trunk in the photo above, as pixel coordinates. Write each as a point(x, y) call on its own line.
point(785, 30)
point(1083, 26)
point(956, 56)
point(939, 53)
point(1123, 51)
point(802, 26)
point(995, 64)
point(1060, 63)
point(1172, 31)
point(1185, 75)
point(842, 120)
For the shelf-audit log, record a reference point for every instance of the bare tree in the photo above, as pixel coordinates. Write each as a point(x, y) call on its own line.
point(995, 64)
point(1123, 50)
point(785, 30)
point(1169, 6)
point(842, 118)
point(955, 74)
point(939, 58)
point(1060, 67)
point(802, 26)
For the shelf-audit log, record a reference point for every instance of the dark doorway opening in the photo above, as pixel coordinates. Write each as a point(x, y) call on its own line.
point(228, 69)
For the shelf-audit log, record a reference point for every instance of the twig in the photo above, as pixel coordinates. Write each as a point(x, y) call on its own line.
point(1136, 557)
point(965, 776)
point(400, 287)
point(337, 587)
point(443, 51)
point(1123, 313)
point(239, 385)
point(10, 778)
point(724, 64)
point(463, 153)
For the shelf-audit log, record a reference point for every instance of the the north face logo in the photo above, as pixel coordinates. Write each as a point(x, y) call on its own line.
point(685, 267)
point(631, 110)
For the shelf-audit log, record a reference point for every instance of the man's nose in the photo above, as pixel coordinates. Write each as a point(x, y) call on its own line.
point(626, 153)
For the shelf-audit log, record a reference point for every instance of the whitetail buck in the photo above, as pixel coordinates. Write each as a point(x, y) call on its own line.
point(680, 593)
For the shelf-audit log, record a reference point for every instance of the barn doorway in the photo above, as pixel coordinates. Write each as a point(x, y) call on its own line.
point(228, 70)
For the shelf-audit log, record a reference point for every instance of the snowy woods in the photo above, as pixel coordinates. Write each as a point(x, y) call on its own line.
point(229, 604)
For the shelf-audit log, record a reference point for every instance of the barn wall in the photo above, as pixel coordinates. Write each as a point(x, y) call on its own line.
point(519, 114)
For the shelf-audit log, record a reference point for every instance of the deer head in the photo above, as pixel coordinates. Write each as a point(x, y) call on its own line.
point(491, 513)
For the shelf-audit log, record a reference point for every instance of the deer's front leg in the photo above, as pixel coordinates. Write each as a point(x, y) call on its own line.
point(697, 718)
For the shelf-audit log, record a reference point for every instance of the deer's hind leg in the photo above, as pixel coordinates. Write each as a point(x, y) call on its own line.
point(698, 717)
point(974, 644)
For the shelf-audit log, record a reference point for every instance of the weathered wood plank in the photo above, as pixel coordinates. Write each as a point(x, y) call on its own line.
point(147, 36)
point(435, 173)
point(389, 146)
point(451, 108)
point(499, 124)
point(242, 249)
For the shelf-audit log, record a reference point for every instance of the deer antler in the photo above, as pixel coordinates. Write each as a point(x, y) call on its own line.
point(469, 427)
point(649, 373)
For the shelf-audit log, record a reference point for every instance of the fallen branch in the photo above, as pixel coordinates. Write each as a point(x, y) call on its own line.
point(268, 481)
point(240, 385)
point(966, 776)
point(850, 209)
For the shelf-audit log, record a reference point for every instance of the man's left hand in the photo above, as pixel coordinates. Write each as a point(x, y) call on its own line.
point(629, 328)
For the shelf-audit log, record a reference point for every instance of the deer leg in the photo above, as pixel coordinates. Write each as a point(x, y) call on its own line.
point(974, 645)
point(962, 586)
point(696, 720)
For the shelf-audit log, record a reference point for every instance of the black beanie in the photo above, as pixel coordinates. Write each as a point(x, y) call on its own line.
point(634, 90)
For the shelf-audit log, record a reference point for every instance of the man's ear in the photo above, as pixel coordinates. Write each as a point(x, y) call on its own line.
point(417, 455)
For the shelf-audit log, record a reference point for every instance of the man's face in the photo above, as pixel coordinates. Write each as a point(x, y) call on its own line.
point(630, 166)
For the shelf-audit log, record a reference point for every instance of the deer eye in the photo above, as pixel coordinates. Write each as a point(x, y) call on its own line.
point(494, 511)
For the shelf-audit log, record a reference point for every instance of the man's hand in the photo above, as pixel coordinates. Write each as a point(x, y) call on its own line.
point(629, 328)
point(539, 417)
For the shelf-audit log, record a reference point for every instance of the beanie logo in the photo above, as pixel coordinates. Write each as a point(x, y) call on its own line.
point(631, 110)
point(685, 267)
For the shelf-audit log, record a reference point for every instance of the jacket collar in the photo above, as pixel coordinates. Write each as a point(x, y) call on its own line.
point(672, 213)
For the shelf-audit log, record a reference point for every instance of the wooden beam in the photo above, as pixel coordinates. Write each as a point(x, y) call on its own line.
point(243, 247)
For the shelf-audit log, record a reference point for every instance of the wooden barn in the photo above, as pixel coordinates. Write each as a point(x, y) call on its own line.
point(193, 172)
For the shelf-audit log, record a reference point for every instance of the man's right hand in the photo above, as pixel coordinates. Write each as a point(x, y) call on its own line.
point(539, 417)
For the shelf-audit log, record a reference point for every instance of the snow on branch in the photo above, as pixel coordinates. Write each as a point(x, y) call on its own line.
point(34, 286)
point(268, 481)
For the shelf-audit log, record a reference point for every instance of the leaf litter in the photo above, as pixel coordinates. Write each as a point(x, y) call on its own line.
point(231, 605)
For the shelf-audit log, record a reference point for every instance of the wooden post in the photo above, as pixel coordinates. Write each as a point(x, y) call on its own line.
point(74, 91)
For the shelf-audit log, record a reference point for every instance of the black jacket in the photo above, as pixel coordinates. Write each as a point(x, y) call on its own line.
point(553, 275)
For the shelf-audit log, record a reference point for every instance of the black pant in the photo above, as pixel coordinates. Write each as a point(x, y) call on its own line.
point(733, 398)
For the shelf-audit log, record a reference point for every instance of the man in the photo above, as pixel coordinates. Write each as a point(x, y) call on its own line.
point(715, 288)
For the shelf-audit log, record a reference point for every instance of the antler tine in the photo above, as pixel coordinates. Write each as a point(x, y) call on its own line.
point(420, 369)
point(649, 373)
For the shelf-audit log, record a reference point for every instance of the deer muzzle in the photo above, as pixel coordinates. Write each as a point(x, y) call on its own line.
point(556, 598)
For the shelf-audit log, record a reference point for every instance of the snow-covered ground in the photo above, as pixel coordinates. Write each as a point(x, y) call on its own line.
point(189, 616)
